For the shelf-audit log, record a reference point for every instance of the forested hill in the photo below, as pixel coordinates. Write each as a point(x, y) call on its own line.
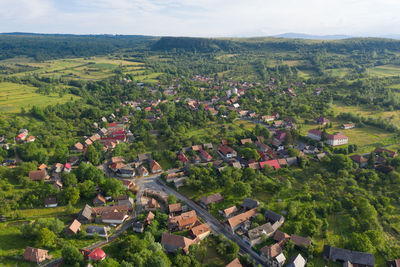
point(275, 44)
point(51, 46)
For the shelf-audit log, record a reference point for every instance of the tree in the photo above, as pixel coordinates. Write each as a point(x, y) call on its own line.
point(92, 155)
point(241, 189)
point(70, 194)
point(46, 238)
point(71, 254)
point(172, 199)
point(113, 187)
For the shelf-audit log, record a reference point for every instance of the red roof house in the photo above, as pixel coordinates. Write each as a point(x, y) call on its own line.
point(97, 255)
point(272, 163)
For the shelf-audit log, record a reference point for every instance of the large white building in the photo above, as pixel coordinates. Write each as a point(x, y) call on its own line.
point(336, 139)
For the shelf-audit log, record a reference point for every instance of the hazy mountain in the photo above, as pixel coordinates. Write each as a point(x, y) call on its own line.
point(292, 35)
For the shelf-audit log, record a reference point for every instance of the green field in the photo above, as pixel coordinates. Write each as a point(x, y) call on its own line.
point(384, 71)
point(94, 68)
point(15, 96)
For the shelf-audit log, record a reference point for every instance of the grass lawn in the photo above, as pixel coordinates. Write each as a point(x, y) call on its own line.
point(14, 96)
point(44, 212)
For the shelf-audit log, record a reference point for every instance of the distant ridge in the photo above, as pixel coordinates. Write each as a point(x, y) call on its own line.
point(291, 35)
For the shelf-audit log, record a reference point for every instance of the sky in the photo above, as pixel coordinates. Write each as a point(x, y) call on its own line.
point(203, 18)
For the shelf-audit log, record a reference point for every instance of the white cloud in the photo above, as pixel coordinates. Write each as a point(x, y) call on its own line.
point(201, 17)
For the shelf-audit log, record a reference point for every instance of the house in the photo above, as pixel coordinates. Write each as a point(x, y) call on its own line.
point(58, 167)
point(249, 204)
point(297, 261)
point(114, 217)
point(58, 185)
point(85, 215)
point(99, 230)
point(99, 200)
point(207, 200)
point(73, 228)
point(67, 167)
point(280, 236)
point(282, 162)
point(278, 124)
point(291, 161)
point(337, 139)
point(245, 141)
point(341, 255)
point(78, 147)
point(236, 164)
point(201, 231)
point(73, 160)
point(143, 171)
point(205, 156)
point(143, 157)
point(175, 208)
point(128, 201)
point(155, 167)
point(274, 255)
point(274, 217)
point(228, 212)
point(126, 172)
point(184, 221)
point(255, 235)
point(208, 146)
point(280, 136)
point(35, 255)
point(261, 146)
point(234, 263)
point(172, 243)
point(271, 163)
point(235, 222)
point(149, 218)
point(394, 263)
point(268, 118)
point(300, 241)
point(21, 137)
point(50, 202)
point(321, 121)
point(138, 227)
point(390, 153)
point(97, 255)
point(314, 134)
point(360, 160)
point(128, 184)
point(117, 159)
point(196, 147)
point(227, 152)
point(30, 139)
point(182, 157)
point(38, 175)
point(348, 126)
point(254, 165)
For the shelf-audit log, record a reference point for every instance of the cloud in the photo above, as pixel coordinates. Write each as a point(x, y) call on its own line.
point(201, 17)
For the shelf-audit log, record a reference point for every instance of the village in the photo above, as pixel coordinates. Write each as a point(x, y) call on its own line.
point(106, 215)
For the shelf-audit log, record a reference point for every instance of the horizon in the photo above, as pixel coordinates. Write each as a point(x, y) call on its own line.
point(204, 18)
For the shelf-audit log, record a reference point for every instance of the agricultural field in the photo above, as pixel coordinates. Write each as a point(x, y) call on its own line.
point(94, 68)
point(384, 71)
point(15, 96)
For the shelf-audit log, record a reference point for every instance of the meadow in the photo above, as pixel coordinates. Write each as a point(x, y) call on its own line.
point(15, 96)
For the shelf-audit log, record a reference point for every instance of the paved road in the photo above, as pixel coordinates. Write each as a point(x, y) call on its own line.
point(213, 223)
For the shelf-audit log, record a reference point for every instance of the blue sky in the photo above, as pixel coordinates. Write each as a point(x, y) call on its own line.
point(202, 17)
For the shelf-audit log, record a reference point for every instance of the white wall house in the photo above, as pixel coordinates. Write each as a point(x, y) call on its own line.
point(314, 135)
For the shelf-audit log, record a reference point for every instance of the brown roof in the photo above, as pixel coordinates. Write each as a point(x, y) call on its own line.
point(234, 263)
point(175, 207)
point(359, 158)
point(254, 166)
point(50, 200)
point(200, 229)
point(37, 175)
point(230, 210)
point(99, 198)
point(34, 254)
point(301, 241)
point(207, 200)
point(177, 240)
point(78, 146)
point(42, 167)
point(150, 216)
point(74, 226)
point(142, 170)
point(154, 166)
point(279, 236)
point(241, 218)
point(247, 140)
point(186, 218)
point(113, 216)
point(117, 159)
point(272, 251)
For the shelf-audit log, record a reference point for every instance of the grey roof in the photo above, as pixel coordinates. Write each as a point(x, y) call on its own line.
point(355, 257)
point(297, 261)
point(86, 213)
point(101, 230)
point(143, 157)
point(291, 161)
point(249, 203)
point(273, 216)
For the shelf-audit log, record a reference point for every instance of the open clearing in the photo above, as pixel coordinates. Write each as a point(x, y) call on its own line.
point(384, 71)
point(14, 96)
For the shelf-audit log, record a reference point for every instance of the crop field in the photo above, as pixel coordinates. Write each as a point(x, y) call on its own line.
point(94, 68)
point(384, 71)
point(15, 96)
